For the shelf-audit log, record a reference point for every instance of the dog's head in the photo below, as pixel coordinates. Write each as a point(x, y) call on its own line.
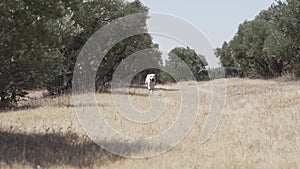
point(150, 78)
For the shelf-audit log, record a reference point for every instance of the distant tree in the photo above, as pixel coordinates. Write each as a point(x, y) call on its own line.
point(178, 57)
point(166, 77)
point(216, 73)
point(227, 60)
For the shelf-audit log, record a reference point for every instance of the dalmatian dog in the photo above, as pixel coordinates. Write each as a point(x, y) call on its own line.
point(150, 81)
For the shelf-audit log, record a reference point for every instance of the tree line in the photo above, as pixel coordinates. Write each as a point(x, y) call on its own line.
point(41, 40)
point(266, 47)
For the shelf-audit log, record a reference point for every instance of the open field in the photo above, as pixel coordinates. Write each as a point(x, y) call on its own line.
point(260, 128)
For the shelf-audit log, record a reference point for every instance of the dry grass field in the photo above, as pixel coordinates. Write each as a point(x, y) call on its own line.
point(260, 128)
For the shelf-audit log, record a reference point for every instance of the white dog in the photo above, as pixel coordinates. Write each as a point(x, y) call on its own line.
point(150, 81)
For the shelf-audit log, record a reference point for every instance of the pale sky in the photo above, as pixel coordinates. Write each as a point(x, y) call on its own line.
point(218, 20)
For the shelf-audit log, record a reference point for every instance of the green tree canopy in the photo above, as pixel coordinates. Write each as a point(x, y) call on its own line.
point(40, 42)
point(267, 46)
point(181, 57)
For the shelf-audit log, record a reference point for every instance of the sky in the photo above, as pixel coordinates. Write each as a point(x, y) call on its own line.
point(218, 20)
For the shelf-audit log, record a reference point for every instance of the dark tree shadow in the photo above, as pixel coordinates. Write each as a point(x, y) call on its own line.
point(169, 90)
point(57, 149)
point(156, 88)
point(18, 108)
point(130, 93)
point(46, 150)
point(31, 106)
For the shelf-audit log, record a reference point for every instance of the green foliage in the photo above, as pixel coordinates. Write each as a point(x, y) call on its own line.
point(180, 57)
point(216, 73)
point(166, 77)
point(40, 42)
point(227, 60)
point(266, 47)
point(27, 45)
point(91, 16)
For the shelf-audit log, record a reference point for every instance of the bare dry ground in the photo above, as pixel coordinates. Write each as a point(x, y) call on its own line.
point(260, 128)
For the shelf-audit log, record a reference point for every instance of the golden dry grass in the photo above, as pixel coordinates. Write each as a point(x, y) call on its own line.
point(260, 128)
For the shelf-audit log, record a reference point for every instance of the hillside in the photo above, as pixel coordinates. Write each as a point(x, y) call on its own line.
point(260, 128)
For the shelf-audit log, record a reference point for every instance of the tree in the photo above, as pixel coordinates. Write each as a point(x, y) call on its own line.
point(179, 57)
point(91, 16)
point(28, 44)
point(287, 20)
point(227, 60)
point(40, 42)
point(267, 46)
